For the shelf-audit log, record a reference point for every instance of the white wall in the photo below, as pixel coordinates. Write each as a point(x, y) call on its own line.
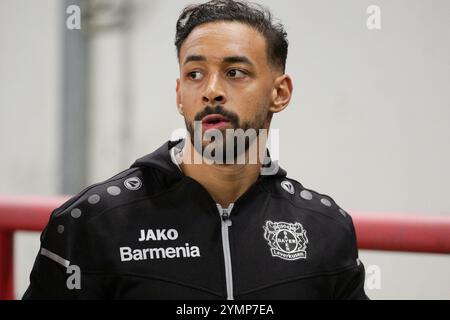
point(30, 87)
point(368, 124)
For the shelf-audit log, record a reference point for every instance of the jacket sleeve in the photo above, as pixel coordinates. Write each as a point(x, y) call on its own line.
point(60, 271)
point(350, 283)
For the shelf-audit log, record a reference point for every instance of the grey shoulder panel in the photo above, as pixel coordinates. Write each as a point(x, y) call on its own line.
point(312, 200)
point(68, 233)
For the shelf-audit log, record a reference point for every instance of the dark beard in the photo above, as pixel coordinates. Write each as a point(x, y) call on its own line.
point(236, 124)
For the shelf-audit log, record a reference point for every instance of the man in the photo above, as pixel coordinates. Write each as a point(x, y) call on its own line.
point(197, 218)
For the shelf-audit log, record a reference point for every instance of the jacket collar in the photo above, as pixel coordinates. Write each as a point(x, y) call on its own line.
point(161, 160)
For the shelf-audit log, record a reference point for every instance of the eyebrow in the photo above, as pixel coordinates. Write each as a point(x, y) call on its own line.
point(230, 59)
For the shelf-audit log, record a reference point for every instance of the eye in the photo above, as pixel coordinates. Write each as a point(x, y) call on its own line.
point(236, 73)
point(195, 75)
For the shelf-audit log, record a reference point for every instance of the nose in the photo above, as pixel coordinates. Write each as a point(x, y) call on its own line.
point(214, 93)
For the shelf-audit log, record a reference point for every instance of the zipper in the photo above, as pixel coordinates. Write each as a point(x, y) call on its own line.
point(226, 223)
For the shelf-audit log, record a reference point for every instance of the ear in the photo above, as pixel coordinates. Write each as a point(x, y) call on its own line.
point(282, 93)
point(179, 104)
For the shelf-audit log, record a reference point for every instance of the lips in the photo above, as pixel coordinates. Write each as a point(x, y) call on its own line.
point(215, 121)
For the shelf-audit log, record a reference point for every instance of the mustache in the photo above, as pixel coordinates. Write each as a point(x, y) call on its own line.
point(218, 109)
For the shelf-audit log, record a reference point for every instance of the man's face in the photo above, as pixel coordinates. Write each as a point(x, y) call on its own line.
point(224, 71)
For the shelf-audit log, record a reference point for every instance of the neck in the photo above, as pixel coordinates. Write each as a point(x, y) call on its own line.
point(224, 182)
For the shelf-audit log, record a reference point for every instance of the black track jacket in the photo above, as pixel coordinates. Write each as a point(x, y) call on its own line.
point(151, 232)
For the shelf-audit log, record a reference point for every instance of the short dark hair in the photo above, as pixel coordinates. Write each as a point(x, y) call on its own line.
point(252, 14)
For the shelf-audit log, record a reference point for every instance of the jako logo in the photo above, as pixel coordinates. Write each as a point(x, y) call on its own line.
point(287, 185)
point(158, 235)
point(133, 183)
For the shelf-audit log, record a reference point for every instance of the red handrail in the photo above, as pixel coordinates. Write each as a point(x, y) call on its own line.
point(374, 230)
point(20, 213)
point(27, 213)
point(402, 232)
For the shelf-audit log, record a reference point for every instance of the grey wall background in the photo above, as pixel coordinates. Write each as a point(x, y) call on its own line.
point(369, 122)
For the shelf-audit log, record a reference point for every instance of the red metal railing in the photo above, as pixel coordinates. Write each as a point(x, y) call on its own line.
point(375, 231)
point(20, 213)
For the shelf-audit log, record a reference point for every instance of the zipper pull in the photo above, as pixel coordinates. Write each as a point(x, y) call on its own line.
point(225, 215)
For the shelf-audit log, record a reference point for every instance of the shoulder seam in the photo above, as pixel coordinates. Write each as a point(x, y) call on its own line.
point(305, 208)
point(67, 204)
point(147, 197)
